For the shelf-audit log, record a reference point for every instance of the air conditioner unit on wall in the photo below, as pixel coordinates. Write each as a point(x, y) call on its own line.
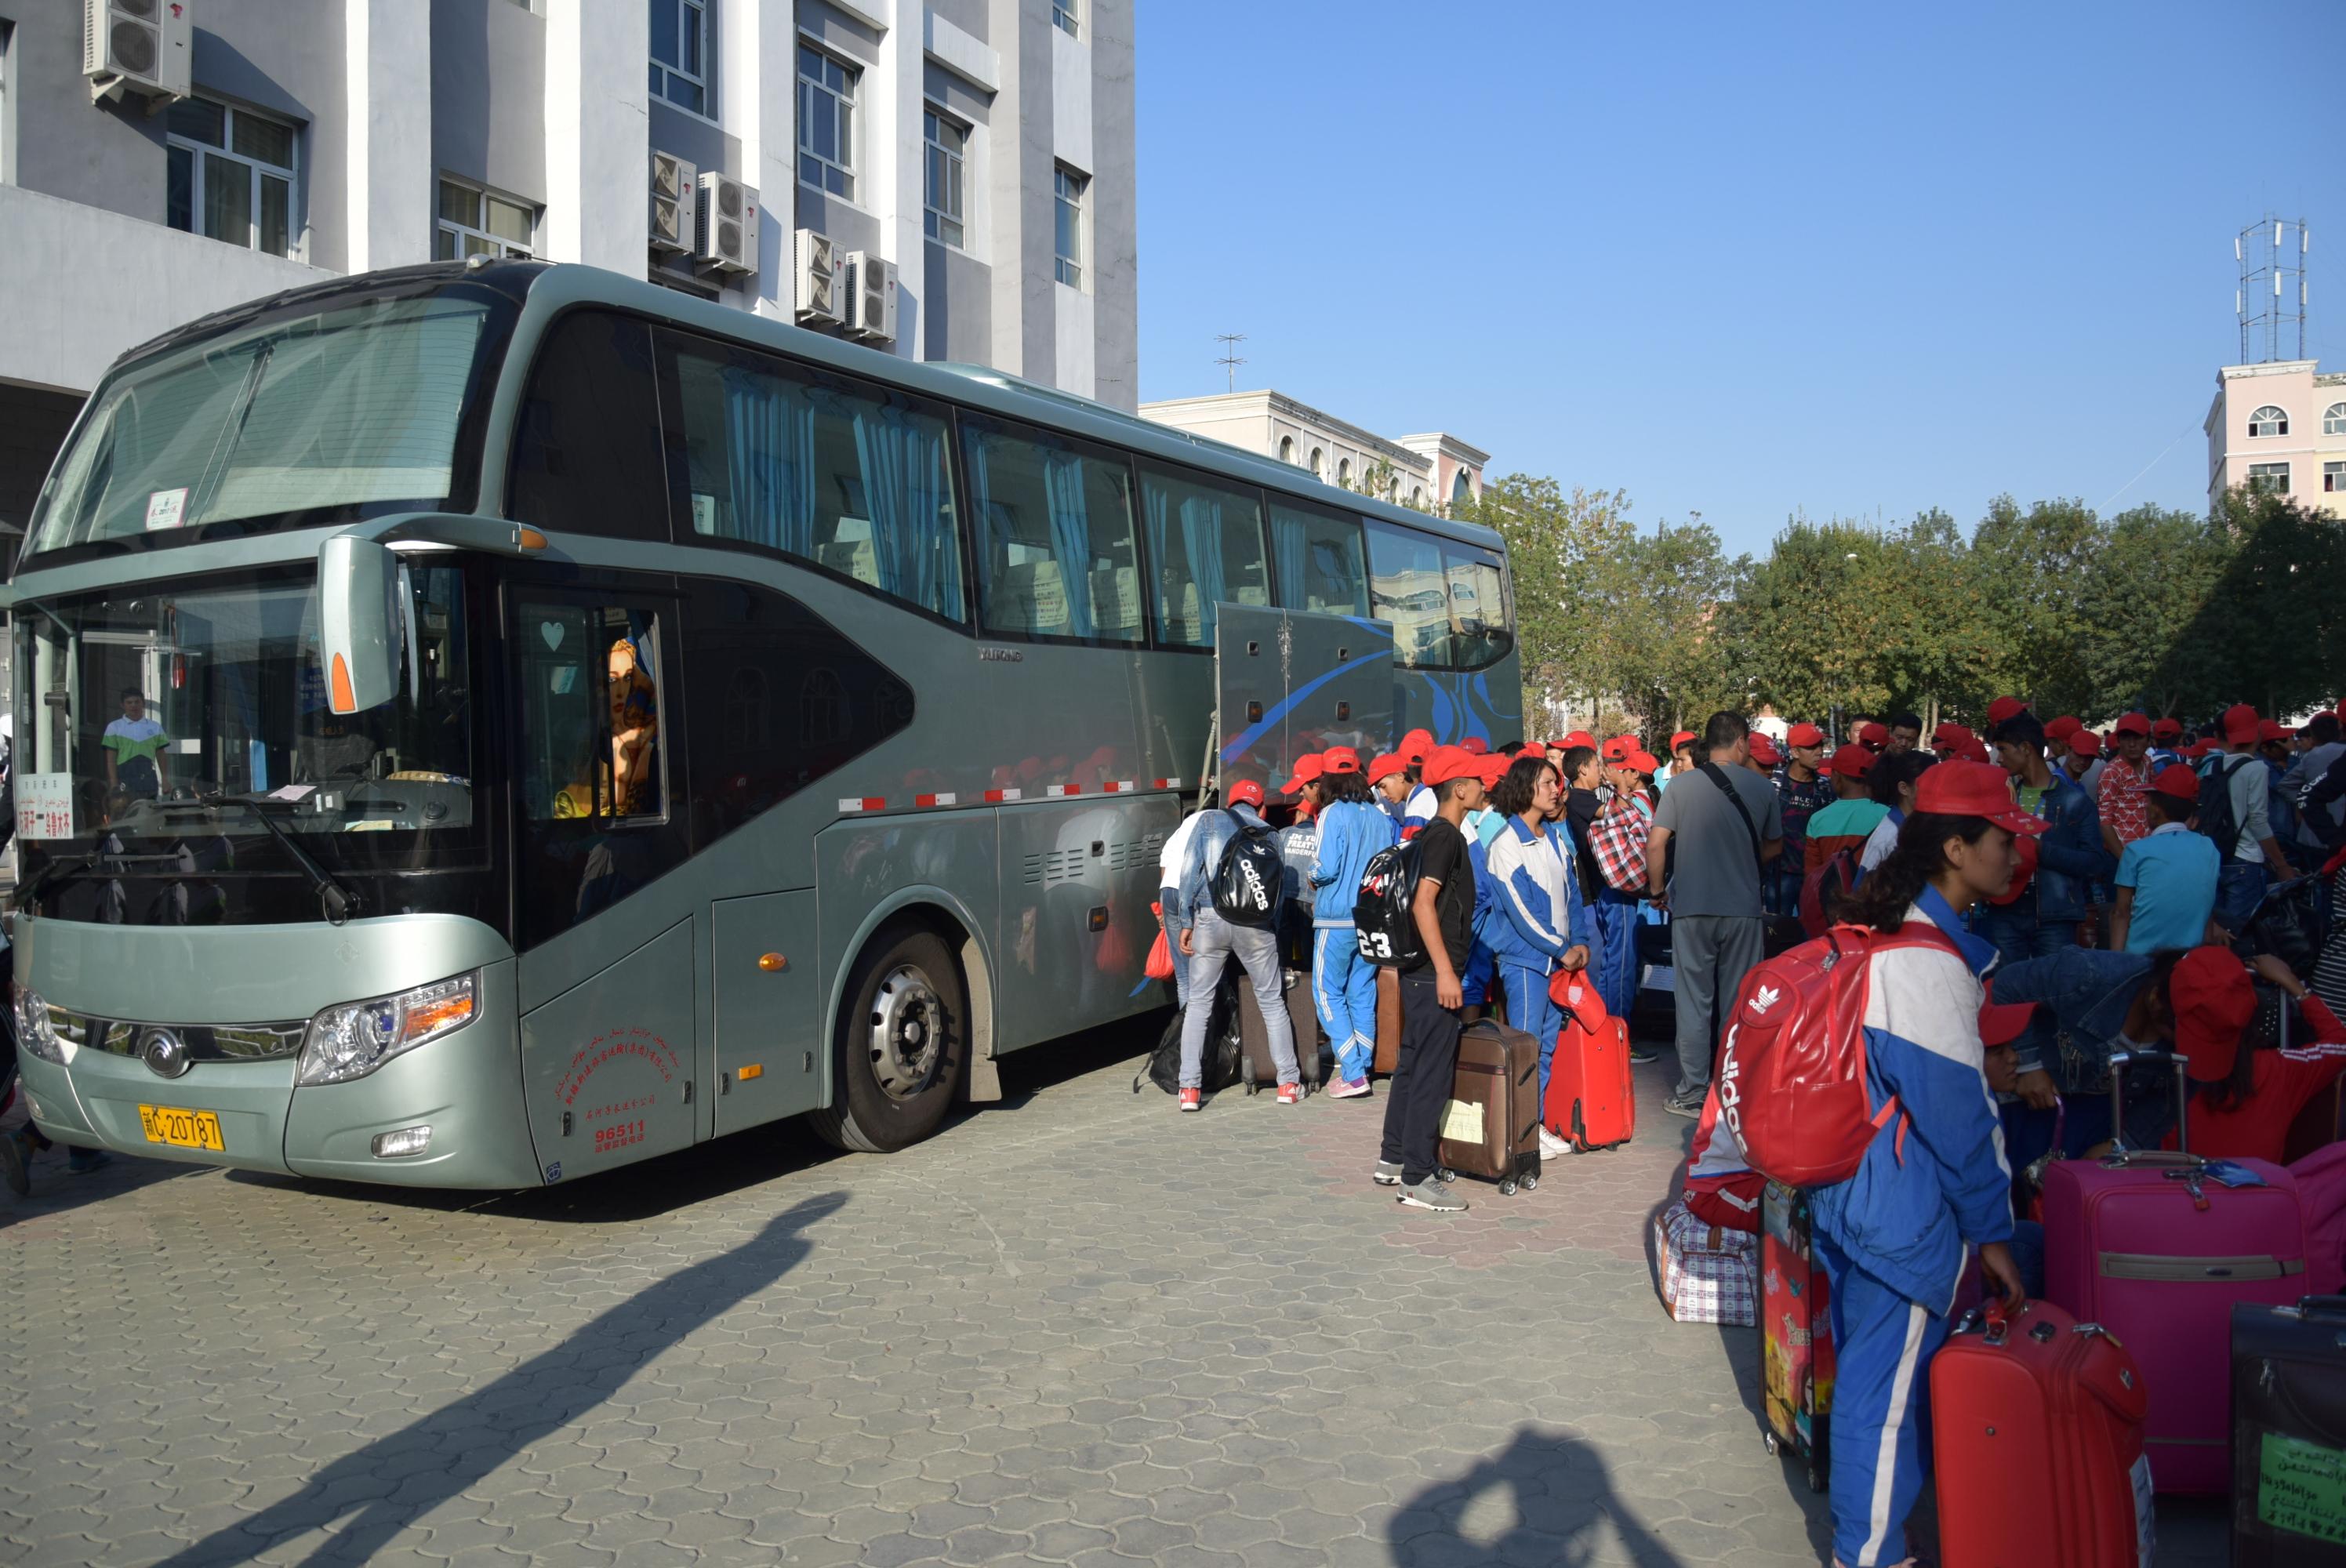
point(676, 203)
point(144, 46)
point(816, 297)
point(725, 237)
point(871, 296)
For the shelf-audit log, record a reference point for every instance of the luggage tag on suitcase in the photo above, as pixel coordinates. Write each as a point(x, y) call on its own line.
point(2230, 1174)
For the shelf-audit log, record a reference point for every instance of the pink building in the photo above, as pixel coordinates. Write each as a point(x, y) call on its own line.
point(2279, 426)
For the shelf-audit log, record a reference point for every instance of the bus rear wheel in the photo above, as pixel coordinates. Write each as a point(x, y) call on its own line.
point(901, 1043)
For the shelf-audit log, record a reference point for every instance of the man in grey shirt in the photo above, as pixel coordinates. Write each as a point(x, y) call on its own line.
point(1712, 853)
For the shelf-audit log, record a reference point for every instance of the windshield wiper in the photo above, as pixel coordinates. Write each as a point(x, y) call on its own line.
point(337, 900)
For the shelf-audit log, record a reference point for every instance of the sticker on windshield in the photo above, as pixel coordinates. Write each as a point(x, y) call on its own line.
point(44, 806)
point(167, 508)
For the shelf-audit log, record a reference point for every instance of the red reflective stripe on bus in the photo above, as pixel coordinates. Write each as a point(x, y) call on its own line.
point(998, 796)
point(865, 803)
point(935, 799)
point(1124, 784)
point(1055, 791)
point(1109, 786)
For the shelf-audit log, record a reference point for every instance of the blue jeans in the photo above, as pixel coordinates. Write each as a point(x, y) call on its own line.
point(1533, 1010)
point(1614, 965)
point(2016, 934)
point(1165, 898)
point(2239, 886)
point(1217, 942)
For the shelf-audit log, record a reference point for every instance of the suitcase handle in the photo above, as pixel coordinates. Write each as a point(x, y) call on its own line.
point(2120, 1155)
point(2325, 1306)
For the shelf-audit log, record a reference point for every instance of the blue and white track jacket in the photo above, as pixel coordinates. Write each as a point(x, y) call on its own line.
point(1537, 912)
point(1351, 833)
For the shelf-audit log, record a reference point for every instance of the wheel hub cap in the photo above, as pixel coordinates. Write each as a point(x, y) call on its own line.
point(907, 1033)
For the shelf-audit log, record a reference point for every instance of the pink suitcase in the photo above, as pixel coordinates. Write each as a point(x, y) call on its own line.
point(2157, 1252)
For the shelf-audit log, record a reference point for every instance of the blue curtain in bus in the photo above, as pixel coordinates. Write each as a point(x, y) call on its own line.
point(770, 462)
point(1292, 550)
point(1071, 536)
point(910, 494)
point(1201, 543)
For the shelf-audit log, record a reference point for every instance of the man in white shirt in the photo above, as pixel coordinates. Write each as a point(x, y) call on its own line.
point(135, 744)
point(1169, 864)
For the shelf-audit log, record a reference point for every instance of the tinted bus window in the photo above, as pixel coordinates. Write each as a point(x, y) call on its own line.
point(1056, 554)
point(850, 477)
point(586, 456)
point(1205, 540)
point(1447, 601)
point(1318, 559)
point(1478, 607)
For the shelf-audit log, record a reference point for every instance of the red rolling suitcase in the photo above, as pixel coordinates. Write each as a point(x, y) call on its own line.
point(1591, 1102)
point(2157, 1249)
point(2036, 1425)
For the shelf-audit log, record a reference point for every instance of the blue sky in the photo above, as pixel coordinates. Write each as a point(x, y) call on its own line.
point(1738, 259)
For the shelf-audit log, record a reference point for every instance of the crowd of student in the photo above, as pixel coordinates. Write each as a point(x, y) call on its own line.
point(2061, 896)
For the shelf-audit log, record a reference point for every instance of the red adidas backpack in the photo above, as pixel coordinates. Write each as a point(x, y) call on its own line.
point(1791, 1071)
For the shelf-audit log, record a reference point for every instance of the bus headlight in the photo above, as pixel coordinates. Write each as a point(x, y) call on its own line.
point(45, 1032)
point(355, 1038)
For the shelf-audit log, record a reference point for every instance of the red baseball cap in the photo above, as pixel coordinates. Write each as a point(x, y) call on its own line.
point(2177, 780)
point(1851, 761)
point(1763, 751)
point(1339, 760)
point(2273, 729)
point(2084, 742)
point(2168, 728)
point(2241, 724)
point(1444, 763)
point(1873, 737)
point(2062, 726)
point(1384, 765)
point(2000, 1022)
point(1948, 730)
point(1415, 745)
point(1807, 734)
point(1534, 748)
point(1308, 767)
point(1961, 788)
point(1642, 762)
point(1493, 765)
point(2213, 1002)
point(1580, 738)
point(1680, 738)
point(1619, 747)
point(1475, 744)
point(1247, 792)
point(2131, 724)
point(2005, 707)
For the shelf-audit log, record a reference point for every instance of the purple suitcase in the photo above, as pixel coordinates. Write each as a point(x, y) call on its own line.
point(2151, 1247)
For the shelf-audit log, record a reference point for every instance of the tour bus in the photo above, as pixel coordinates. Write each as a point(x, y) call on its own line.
point(483, 724)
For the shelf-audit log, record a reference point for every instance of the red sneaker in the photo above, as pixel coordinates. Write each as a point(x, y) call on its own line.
point(1192, 1100)
point(1290, 1093)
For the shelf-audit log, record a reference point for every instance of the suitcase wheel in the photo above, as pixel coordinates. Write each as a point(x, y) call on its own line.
point(1507, 1188)
point(1531, 1183)
point(1769, 1440)
point(1445, 1174)
point(1816, 1479)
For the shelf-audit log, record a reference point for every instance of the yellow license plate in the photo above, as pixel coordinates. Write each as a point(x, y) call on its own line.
point(181, 1129)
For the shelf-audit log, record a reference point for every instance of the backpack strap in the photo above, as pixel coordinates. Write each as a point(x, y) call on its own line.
point(1712, 771)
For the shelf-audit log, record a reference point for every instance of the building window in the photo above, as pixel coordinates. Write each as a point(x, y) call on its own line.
point(2269, 478)
point(1067, 17)
point(1460, 490)
point(1417, 497)
point(1318, 463)
point(2333, 420)
point(948, 154)
point(1070, 186)
point(231, 176)
point(2269, 420)
point(2333, 478)
point(474, 223)
point(681, 53)
point(1345, 472)
point(826, 123)
point(1286, 448)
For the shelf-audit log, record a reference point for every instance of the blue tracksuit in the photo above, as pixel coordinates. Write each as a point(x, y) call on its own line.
point(1536, 916)
point(1895, 1236)
point(1344, 984)
point(1474, 986)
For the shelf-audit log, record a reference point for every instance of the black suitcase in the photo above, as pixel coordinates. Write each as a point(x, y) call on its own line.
point(1256, 1069)
point(2289, 1434)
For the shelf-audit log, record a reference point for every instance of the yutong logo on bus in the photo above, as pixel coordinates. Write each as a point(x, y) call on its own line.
point(165, 1054)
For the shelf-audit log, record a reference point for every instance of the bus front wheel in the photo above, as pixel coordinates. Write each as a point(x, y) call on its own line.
point(903, 1040)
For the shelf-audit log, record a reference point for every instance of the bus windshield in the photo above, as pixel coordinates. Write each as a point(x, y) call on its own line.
point(347, 406)
point(175, 751)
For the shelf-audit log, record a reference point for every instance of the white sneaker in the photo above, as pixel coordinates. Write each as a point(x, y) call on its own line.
point(1551, 1146)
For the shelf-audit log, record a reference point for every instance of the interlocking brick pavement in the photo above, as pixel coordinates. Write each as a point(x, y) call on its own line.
point(1076, 1329)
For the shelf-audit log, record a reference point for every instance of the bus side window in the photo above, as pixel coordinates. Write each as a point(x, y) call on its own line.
point(1412, 592)
point(587, 457)
point(1319, 558)
point(591, 714)
point(1206, 541)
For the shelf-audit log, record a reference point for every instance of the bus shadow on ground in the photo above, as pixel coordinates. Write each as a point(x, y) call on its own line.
point(1556, 1491)
point(370, 1495)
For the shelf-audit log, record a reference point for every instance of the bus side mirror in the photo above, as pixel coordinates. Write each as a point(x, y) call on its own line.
point(358, 634)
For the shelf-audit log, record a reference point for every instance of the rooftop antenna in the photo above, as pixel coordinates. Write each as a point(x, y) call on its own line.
point(2271, 298)
point(1230, 361)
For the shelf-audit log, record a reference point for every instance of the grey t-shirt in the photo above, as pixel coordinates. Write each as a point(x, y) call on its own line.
point(1712, 868)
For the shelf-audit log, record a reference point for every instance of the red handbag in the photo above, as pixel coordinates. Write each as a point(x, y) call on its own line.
point(1160, 952)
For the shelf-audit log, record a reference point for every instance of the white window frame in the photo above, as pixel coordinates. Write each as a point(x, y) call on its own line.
point(2269, 420)
point(201, 156)
point(1069, 187)
point(693, 14)
point(2333, 420)
point(2262, 475)
point(1068, 15)
point(846, 102)
point(934, 219)
point(498, 244)
point(2333, 478)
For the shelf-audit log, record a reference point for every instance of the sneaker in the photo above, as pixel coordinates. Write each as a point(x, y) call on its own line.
point(1551, 1146)
point(1433, 1194)
point(81, 1162)
point(1387, 1174)
point(1641, 1054)
point(12, 1166)
point(1347, 1088)
point(1290, 1093)
point(1686, 1102)
point(1193, 1100)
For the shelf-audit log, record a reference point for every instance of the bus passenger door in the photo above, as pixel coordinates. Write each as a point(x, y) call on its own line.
point(769, 1033)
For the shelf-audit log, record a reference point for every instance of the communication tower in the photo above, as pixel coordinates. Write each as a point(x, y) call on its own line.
point(2270, 302)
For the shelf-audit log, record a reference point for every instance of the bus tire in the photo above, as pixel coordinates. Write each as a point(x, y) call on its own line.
point(900, 1046)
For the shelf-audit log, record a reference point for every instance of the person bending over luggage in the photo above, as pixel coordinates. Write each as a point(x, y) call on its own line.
point(1540, 923)
point(1209, 942)
point(1894, 1238)
point(1352, 830)
point(1431, 996)
point(2245, 1115)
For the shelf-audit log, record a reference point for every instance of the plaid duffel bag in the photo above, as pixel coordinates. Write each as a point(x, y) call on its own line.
point(1709, 1275)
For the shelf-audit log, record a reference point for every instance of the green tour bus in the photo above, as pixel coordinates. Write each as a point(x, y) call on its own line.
point(480, 724)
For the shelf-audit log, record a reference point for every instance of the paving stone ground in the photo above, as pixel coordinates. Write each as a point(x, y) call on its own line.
point(1077, 1329)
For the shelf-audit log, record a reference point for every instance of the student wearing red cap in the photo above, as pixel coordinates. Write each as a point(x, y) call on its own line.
point(2167, 878)
point(1765, 758)
point(1352, 830)
point(2081, 759)
point(2001, 708)
point(2245, 1113)
point(1682, 758)
point(1854, 813)
point(1874, 737)
point(1208, 942)
point(1802, 790)
point(1299, 847)
point(1893, 1238)
point(1432, 990)
point(2168, 742)
point(1538, 923)
point(1305, 783)
point(2252, 858)
point(2126, 780)
point(1389, 785)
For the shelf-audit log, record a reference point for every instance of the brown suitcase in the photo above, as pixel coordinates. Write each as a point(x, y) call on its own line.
point(1387, 1055)
point(1256, 1069)
point(1490, 1128)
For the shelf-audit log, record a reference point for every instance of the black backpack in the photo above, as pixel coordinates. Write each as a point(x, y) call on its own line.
point(1219, 1068)
point(1247, 880)
point(2216, 816)
point(1384, 923)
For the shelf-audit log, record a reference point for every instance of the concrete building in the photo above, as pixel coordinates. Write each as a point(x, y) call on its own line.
point(2281, 426)
point(1426, 472)
point(984, 147)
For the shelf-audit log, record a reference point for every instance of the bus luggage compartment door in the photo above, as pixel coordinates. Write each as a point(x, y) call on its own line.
point(607, 1064)
point(770, 1036)
point(1287, 682)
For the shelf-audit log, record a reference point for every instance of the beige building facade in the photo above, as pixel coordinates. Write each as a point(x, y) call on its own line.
point(1427, 473)
point(2279, 426)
